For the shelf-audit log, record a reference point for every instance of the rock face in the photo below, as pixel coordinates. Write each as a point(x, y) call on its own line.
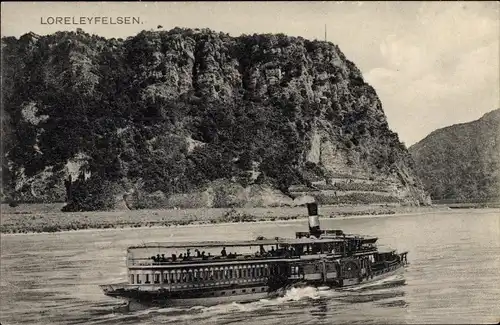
point(175, 111)
point(462, 162)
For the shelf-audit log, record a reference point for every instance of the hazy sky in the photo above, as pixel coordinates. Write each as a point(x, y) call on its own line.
point(432, 64)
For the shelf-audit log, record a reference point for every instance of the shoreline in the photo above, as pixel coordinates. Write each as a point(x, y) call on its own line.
point(208, 224)
point(35, 222)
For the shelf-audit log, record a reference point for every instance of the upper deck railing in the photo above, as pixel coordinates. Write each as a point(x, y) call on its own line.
point(244, 258)
point(212, 260)
point(238, 243)
point(336, 234)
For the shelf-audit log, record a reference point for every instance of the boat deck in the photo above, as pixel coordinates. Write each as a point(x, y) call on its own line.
point(239, 259)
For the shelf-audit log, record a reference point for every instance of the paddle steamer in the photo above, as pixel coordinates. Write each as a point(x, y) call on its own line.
point(213, 272)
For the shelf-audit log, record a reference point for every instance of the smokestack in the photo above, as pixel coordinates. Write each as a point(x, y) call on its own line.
point(312, 210)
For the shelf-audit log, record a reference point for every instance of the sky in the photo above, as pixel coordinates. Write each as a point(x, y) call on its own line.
point(432, 64)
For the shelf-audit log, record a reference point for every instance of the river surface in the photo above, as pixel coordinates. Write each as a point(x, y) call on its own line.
point(453, 276)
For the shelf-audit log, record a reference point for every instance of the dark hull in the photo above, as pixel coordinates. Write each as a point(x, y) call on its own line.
point(140, 298)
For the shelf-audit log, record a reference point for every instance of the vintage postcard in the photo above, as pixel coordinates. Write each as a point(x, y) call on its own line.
point(250, 162)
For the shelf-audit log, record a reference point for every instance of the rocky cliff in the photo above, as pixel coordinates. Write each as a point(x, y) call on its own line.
point(462, 162)
point(175, 117)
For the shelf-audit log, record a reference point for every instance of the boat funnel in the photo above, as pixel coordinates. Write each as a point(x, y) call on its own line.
point(312, 210)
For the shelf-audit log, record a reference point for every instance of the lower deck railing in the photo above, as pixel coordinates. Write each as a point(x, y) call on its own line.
point(196, 285)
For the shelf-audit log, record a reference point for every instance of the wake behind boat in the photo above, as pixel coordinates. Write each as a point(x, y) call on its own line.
point(215, 272)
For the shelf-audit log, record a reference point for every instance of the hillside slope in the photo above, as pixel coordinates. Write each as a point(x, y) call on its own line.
point(193, 117)
point(462, 162)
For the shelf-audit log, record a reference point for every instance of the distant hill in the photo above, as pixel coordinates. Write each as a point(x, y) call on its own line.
point(462, 162)
point(193, 118)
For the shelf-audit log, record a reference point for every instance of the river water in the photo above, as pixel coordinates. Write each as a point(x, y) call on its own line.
point(453, 276)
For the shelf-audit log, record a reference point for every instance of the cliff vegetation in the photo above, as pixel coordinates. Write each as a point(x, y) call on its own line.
point(193, 118)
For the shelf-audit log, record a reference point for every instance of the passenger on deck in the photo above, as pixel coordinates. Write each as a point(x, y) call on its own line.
point(273, 252)
point(203, 255)
point(180, 256)
point(262, 250)
point(158, 258)
point(174, 257)
point(188, 253)
point(163, 259)
point(198, 254)
point(223, 252)
point(153, 258)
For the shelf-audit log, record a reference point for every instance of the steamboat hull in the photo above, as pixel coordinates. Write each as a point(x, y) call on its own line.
point(137, 305)
point(142, 299)
point(351, 282)
point(386, 273)
point(139, 298)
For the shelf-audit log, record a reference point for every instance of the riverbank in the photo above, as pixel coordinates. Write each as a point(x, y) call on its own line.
point(32, 218)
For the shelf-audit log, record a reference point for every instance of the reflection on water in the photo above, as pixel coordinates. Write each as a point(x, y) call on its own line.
point(453, 276)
